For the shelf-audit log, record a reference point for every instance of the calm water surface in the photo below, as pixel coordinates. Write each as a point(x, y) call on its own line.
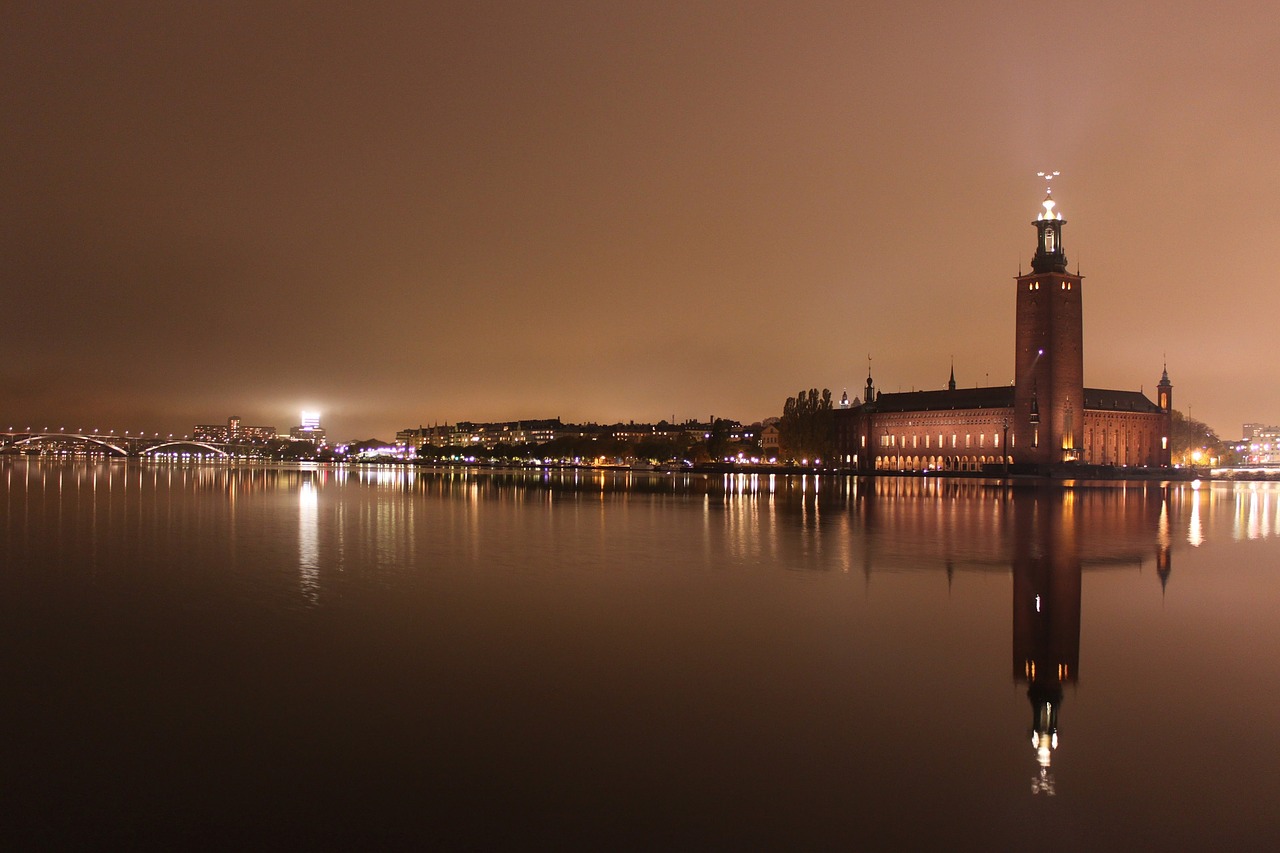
point(329, 658)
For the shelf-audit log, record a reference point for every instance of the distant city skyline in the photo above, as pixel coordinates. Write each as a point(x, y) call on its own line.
point(609, 212)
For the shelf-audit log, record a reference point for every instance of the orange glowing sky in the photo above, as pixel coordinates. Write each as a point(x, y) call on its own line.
point(403, 213)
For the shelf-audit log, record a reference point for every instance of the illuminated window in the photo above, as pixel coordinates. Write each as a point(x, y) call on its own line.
point(1048, 239)
point(953, 439)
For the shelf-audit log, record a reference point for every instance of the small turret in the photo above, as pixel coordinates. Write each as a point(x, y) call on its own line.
point(1164, 391)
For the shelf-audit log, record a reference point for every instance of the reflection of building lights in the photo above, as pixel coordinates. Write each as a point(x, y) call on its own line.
point(309, 540)
point(1195, 532)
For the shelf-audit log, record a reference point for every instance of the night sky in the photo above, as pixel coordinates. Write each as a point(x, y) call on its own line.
point(402, 214)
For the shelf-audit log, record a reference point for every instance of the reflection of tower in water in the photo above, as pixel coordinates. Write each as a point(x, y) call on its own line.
point(1046, 615)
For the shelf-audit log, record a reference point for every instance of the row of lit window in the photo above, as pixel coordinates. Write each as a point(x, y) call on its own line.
point(951, 416)
point(892, 440)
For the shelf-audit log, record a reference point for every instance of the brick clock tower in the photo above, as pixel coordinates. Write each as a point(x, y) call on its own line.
point(1048, 400)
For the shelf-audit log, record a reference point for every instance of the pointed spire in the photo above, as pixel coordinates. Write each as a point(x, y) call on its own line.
point(951, 383)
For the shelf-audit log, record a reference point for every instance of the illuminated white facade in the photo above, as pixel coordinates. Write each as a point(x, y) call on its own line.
point(310, 430)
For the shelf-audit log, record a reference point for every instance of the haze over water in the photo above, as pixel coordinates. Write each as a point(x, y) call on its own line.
point(331, 656)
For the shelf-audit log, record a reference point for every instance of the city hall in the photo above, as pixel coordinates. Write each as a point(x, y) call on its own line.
point(1045, 421)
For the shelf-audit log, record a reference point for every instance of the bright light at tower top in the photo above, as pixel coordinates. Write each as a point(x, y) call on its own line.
point(1048, 202)
point(310, 420)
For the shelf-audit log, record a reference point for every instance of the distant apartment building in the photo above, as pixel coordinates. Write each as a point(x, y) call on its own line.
point(699, 431)
point(486, 435)
point(412, 439)
point(1252, 432)
point(233, 432)
point(440, 435)
point(633, 432)
point(1260, 444)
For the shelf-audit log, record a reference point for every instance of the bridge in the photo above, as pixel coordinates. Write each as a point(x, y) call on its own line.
point(62, 443)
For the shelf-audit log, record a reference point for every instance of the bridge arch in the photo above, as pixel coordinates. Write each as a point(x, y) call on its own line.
point(88, 439)
point(186, 443)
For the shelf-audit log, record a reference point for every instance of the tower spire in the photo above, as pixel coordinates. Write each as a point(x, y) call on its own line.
point(1049, 256)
